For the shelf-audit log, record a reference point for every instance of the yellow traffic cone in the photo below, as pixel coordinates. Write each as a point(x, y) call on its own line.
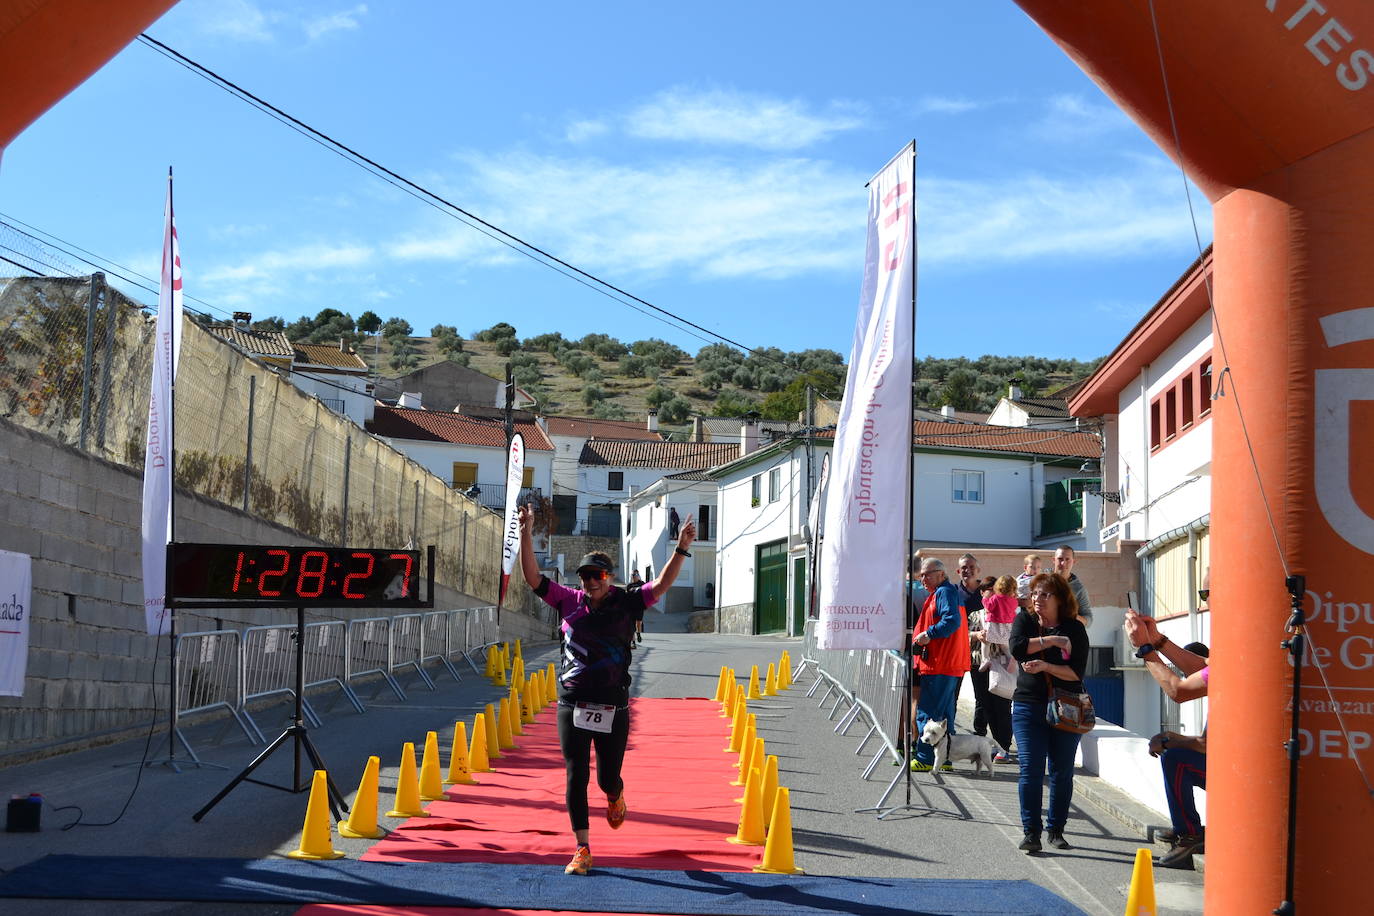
point(527, 702)
point(493, 736)
point(785, 670)
point(1140, 899)
point(407, 787)
point(504, 740)
point(736, 731)
point(515, 728)
point(517, 670)
point(500, 680)
point(750, 831)
point(478, 760)
point(746, 747)
point(770, 786)
point(777, 852)
point(550, 683)
point(746, 763)
point(739, 699)
point(518, 656)
point(719, 695)
point(770, 683)
point(431, 785)
point(490, 671)
point(362, 817)
point(754, 684)
point(536, 693)
point(316, 834)
point(459, 770)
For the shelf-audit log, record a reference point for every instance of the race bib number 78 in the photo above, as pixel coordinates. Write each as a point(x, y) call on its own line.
point(593, 717)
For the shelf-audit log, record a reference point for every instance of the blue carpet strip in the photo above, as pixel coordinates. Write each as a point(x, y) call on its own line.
point(534, 887)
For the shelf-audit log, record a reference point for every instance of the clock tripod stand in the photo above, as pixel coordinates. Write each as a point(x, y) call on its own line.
point(298, 737)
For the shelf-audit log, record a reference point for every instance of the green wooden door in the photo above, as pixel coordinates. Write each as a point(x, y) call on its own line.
point(798, 595)
point(770, 587)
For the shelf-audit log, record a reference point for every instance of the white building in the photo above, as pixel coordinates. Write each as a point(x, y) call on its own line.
point(337, 376)
point(568, 435)
point(648, 543)
point(1153, 396)
point(465, 450)
point(612, 470)
point(974, 485)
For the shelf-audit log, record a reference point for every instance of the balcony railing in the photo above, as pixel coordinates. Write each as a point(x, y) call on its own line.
point(493, 495)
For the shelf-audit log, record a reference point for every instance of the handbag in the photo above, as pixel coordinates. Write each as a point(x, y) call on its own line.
point(1068, 711)
point(1002, 676)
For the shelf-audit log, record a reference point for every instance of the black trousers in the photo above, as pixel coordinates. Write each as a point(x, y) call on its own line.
point(577, 746)
point(990, 712)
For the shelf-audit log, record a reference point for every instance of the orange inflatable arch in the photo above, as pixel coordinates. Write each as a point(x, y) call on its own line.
point(1273, 104)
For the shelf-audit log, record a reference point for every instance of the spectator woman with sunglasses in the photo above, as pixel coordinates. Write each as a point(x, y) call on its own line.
point(598, 626)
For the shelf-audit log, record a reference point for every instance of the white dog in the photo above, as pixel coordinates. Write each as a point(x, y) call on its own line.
point(978, 748)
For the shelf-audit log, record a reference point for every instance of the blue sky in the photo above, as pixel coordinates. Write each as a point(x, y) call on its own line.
point(708, 157)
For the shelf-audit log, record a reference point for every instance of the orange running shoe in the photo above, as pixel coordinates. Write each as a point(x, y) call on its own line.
point(615, 811)
point(581, 862)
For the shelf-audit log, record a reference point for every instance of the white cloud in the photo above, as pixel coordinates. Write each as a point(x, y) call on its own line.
point(276, 273)
point(342, 21)
point(239, 20)
point(709, 218)
point(1074, 119)
point(579, 131)
point(735, 118)
point(1027, 217)
point(943, 105)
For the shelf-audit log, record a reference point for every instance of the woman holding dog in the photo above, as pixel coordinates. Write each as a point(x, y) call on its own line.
point(1051, 644)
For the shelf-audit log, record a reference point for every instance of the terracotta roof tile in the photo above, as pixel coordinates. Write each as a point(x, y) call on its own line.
point(259, 343)
point(1064, 443)
point(436, 426)
point(624, 453)
point(332, 356)
point(601, 429)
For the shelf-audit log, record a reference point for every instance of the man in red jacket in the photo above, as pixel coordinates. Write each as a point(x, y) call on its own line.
point(940, 655)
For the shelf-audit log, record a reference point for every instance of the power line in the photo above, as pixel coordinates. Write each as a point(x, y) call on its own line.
point(533, 252)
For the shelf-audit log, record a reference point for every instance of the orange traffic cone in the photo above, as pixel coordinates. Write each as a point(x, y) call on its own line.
point(493, 736)
point(407, 787)
point(777, 852)
point(478, 759)
point(459, 770)
point(750, 832)
point(1140, 899)
point(431, 785)
point(362, 817)
point(316, 834)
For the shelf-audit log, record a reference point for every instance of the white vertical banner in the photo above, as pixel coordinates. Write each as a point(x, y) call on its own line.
point(16, 597)
point(515, 476)
point(866, 509)
point(157, 465)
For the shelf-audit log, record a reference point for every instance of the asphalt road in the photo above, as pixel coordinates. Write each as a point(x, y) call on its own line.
point(959, 826)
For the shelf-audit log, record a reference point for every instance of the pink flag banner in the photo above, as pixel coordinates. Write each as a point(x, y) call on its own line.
point(157, 465)
point(867, 508)
point(515, 476)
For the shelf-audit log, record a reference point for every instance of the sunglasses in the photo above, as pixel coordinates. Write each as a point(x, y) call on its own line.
point(1202, 593)
point(591, 575)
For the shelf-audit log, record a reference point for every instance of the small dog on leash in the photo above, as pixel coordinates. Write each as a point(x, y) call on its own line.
point(978, 748)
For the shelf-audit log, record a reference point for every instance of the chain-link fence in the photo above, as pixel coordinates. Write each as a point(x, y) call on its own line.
point(75, 364)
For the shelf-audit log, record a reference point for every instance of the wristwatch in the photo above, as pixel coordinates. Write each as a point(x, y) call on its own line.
point(1147, 649)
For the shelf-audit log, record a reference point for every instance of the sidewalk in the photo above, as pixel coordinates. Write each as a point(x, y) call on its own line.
point(966, 827)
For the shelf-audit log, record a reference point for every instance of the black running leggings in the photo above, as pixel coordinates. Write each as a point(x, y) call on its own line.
point(577, 751)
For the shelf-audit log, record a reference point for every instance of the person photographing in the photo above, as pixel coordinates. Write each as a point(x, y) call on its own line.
point(598, 624)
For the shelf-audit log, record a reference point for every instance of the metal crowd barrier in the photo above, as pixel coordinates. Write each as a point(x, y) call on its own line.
point(326, 658)
point(434, 645)
point(210, 675)
point(369, 652)
point(269, 669)
point(869, 683)
point(482, 632)
point(407, 631)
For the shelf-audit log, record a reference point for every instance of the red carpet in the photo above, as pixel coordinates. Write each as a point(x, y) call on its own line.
point(677, 786)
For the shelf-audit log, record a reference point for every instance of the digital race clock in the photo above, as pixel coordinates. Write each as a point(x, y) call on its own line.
point(230, 574)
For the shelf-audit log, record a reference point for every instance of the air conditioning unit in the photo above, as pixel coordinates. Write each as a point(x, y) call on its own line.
point(1125, 652)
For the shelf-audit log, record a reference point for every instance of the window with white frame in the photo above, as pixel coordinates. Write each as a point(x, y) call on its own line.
point(774, 485)
point(755, 488)
point(968, 486)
